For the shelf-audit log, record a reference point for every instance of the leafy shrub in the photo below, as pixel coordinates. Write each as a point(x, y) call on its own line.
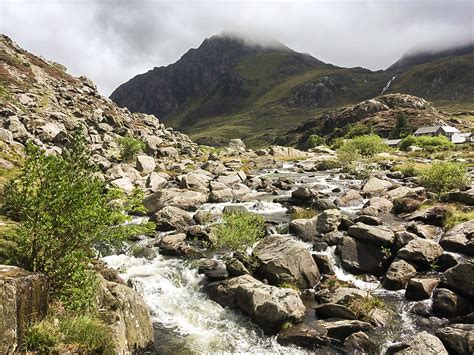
point(239, 230)
point(62, 212)
point(428, 143)
point(401, 128)
point(359, 129)
point(443, 177)
point(314, 140)
point(407, 169)
point(360, 148)
point(130, 147)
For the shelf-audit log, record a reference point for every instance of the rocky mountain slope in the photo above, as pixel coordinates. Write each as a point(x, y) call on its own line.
point(227, 88)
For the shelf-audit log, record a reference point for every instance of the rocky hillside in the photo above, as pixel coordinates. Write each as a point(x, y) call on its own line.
point(229, 89)
point(381, 113)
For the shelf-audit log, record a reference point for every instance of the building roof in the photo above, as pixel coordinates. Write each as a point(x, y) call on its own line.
point(433, 129)
point(392, 142)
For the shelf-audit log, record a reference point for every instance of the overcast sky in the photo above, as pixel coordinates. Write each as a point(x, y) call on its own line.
point(110, 41)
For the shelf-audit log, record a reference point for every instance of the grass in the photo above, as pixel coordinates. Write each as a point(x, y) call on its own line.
point(289, 285)
point(457, 214)
point(362, 307)
point(303, 213)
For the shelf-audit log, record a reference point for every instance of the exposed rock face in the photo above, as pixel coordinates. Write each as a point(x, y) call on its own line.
point(398, 274)
point(460, 278)
point(420, 289)
point(359, 256)
point(448, 304)
point(421, 251)
point(458, 338)
point(268, 306)
point(303, 228)
point(376, 234)
point(459, 239)
point(23, 299)
point(127, 316)
point(283, 259)
point(171, 218)
point(424, 343)
point(375, 185)
point(303, 335)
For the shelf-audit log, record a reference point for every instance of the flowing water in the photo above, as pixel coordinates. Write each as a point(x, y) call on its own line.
point(186, 321)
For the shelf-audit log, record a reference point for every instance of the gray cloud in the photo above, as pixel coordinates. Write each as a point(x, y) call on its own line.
point(110, 41)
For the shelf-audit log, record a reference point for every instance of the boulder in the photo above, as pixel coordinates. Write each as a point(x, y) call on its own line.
point(145, 252)
point(155, 182)
point(398, 274)
point(341, 329)
point(421, 251)
point(302, 194)
point(370, 220)
point(236, 268)
point(460, 278)
point(328, 221)
point(448, 304)
point(196, 180)
point(424, 231)
point(268, 306)
point(237, 144)
point(377, 205)
point(376, 234)
point(23, 300)
point(420, 289)
point(175, 245)
point(222, 195)
point(464, 197)
point(128, 317)
point(308, 336)
point(6, 136)
point(214, 270)
point(405, 191)
point(145, 164)
point(341, 295)
point(185, 199)
point(360, 256)
point(350, 198)
point(124, 184)
point(305, 229)
point(375, 185)
point(171, 218)
point(458, 338)
point(360, 343)
point(334, 310)
point(324, 263)
point(426, 344)
point(283, 259)
point(459, 239)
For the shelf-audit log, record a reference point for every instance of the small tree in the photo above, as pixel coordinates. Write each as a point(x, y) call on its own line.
point(314, 140)
point(130, 147)
point(443, 177)
point(62, 212)
point(401, 128)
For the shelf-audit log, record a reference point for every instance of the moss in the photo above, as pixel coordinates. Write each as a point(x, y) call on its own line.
point(287, 284)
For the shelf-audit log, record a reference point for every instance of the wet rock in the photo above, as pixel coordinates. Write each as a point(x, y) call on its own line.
point(276, 256)
point(128, 317)
point(303, 335)
point(175, 245)
point(350, 198)
point(369, 220)
point(302, 194)
point(214, 270)
point(236, 268)
point(268, 306)
point(333, 310)
point(185, 199)
point(420, 289)
point(145, 164)
point(234, 209)
point(460, 278)
point(305, 229)
point(376, 234)
point(360, 343)
point(421, 251)
point(360, 257)
point(341, 295)
point(459, 239)
point(405, 205)
point(171, 218)
point(445, 262)
point(328, 221)
point(424, 343)
point(458, 338)
point(143, 252)
point(398, 274)
point(375, 185)
point(341, 329)
point(23, 299)
point(324, 263)
point(448, 304)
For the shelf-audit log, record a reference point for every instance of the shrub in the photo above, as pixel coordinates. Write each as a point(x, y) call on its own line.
point(129, 147)
point(240, 230)
point(360, 148)
point(359, 129)
point(428, 143)
point(443, 177)
point(62, 212)
point(314, 140)
point(42, 337)
point(407, 169)
point(402, 128)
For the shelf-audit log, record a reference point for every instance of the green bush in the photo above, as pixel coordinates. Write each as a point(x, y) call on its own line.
point(407, 169)
point(443, 177)
point(62, 212)
point(428, 143)
point(360, 148)
point(359, 129)
point(130, 147)
point(42, 337)
point(239, 230)
point(314, 140)
point(401, 128)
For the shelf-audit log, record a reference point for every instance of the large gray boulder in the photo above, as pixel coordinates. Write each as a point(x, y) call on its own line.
point(459, 239)
point(426, 344)
point(328, 221)
point(360, 256)
point(375, 185)
point(23, 300)
point(376, 234)
point(398, 274)
point(460, 278)
point(145, 164)
point(458, 338)
point(171, 218)
point(282, 259)
point(304, 228)
point(268, 306)
point(196, 180)
point(447, 303)
point(422, 251)
point(128, 317)
point(186, 199)
point(420, 289)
